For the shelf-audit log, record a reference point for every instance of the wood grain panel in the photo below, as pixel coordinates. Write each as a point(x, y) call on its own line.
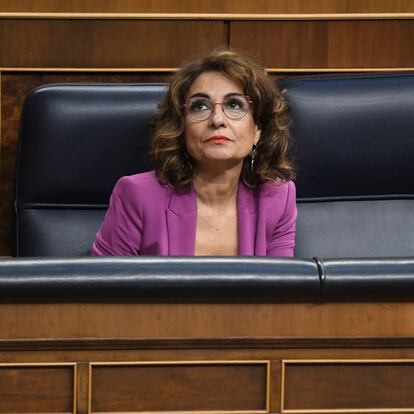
point(14, 87)
point(105, 43)
point(183, 319)
point(354, 385)
point(327, 44)
point(36, 389)
point(212, 6)
point(176, 387)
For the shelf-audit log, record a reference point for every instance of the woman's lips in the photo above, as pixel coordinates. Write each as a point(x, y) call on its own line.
point(218, 139)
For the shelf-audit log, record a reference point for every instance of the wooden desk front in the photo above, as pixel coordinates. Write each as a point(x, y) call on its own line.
point(230, 355)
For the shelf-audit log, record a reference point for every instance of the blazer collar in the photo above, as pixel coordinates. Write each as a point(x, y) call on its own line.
point(246, 220)
point(181, 223)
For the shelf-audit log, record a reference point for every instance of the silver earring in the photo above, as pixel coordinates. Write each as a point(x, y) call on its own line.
point(252, 155)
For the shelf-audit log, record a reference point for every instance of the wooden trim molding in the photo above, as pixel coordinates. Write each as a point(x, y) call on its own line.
point(75, 388)
point(350, 410)
point(171, 70)
point(209, 16)
point(0, 124)
point(265, 362)
point(206, 343)
point(336, 70)
point(72, 69)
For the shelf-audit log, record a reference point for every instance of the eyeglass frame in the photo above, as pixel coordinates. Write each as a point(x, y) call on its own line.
point(248, 99)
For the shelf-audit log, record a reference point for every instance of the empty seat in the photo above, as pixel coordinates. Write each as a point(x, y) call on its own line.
point(355, 152)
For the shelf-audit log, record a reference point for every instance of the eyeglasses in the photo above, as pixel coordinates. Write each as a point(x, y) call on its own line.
point(233, 106)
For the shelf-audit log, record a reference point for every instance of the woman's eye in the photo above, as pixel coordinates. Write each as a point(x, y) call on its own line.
point(234, 103)
point(200, 105)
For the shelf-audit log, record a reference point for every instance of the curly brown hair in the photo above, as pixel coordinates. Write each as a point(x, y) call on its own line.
point(172, 162)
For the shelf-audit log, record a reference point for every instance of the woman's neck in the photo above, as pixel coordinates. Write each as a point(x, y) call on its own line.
point(216, 189)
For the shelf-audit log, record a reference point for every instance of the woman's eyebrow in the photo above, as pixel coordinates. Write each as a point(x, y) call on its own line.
point(204, 95)
point(200, 95)
point(233, 94)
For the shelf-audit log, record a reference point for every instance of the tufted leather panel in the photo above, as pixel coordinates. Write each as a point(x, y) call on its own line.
point(367, 276)
point(355, 228)
point(75, 142)
point(353, 136)
point(355, 146)
point(213, 277)
point(57, 231)
point(171, 276)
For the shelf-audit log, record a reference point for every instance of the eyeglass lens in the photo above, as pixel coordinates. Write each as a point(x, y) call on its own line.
point(234, 107)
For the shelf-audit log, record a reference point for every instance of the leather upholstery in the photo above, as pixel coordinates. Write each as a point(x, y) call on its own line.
point(354, 138)
point(354, 150)
point(75, 142)
point(367, 277)
point(159, 276)
point(205, 277)
point(355, 146)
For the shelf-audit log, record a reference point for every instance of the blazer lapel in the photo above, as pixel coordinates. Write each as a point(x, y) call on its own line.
point(246, 220)
point(181, 224)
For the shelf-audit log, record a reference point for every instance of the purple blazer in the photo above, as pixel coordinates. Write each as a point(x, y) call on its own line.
point(148, 218)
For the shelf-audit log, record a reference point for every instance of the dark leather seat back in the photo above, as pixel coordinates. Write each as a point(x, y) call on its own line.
point(355, 152)
point(75, 142)
point(355, 146)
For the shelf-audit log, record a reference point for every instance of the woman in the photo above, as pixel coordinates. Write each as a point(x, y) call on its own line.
point(221, 185)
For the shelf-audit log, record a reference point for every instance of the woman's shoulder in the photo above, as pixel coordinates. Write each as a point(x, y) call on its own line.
point(145, 178)
point(277, 201)
point(142, 181)
point(144, 185)
point(277, 189)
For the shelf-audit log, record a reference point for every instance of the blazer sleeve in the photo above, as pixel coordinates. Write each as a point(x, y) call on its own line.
point(121, 231)
point(283, 237)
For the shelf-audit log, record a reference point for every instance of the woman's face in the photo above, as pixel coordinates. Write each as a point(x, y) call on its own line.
point(219, 141)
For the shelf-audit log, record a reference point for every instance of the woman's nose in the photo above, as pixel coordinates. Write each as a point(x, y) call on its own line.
point(217, 117)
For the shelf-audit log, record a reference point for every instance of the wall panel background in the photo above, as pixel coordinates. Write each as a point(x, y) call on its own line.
point(324, 44)
point(72, 43)
point(44, 41)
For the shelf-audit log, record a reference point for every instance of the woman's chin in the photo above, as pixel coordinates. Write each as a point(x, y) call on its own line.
point(219, 163)
point(221, 154)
